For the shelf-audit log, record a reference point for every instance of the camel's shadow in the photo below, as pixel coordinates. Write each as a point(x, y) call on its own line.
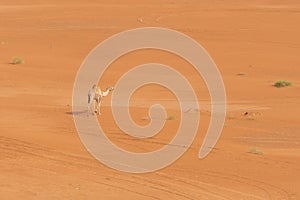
point(76, 112)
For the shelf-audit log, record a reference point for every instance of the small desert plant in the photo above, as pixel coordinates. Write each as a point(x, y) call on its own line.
point(241, 74)
point(251, 115)
point(170, 117)
point(255, 151)
point(282, 83)
point(17, 60)
point(145, 118)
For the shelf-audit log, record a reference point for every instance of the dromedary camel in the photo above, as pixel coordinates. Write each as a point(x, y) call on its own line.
point(96, 95)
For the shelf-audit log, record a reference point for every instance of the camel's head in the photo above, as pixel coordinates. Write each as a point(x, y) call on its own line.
point(94, 86)
point(110, 88)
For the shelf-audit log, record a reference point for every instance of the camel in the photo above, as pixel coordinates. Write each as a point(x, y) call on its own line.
point(95, 94)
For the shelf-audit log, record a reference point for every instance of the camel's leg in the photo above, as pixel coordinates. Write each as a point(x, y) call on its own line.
point(98, 107)
point(100, 101)
point(95, 106)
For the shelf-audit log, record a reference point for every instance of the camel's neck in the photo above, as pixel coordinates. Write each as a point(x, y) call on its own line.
point(105, 93)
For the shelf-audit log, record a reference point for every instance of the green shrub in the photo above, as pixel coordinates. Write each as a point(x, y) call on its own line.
point(282, 83)
point(255, 151)
point(17, 60)
point(170, 117)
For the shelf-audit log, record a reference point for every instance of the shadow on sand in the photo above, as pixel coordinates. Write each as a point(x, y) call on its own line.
point(76, 112)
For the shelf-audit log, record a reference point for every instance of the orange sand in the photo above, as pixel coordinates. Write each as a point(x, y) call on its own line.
point(41, 156)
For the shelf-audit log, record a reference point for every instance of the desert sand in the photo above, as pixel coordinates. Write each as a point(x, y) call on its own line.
point(254, 44)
